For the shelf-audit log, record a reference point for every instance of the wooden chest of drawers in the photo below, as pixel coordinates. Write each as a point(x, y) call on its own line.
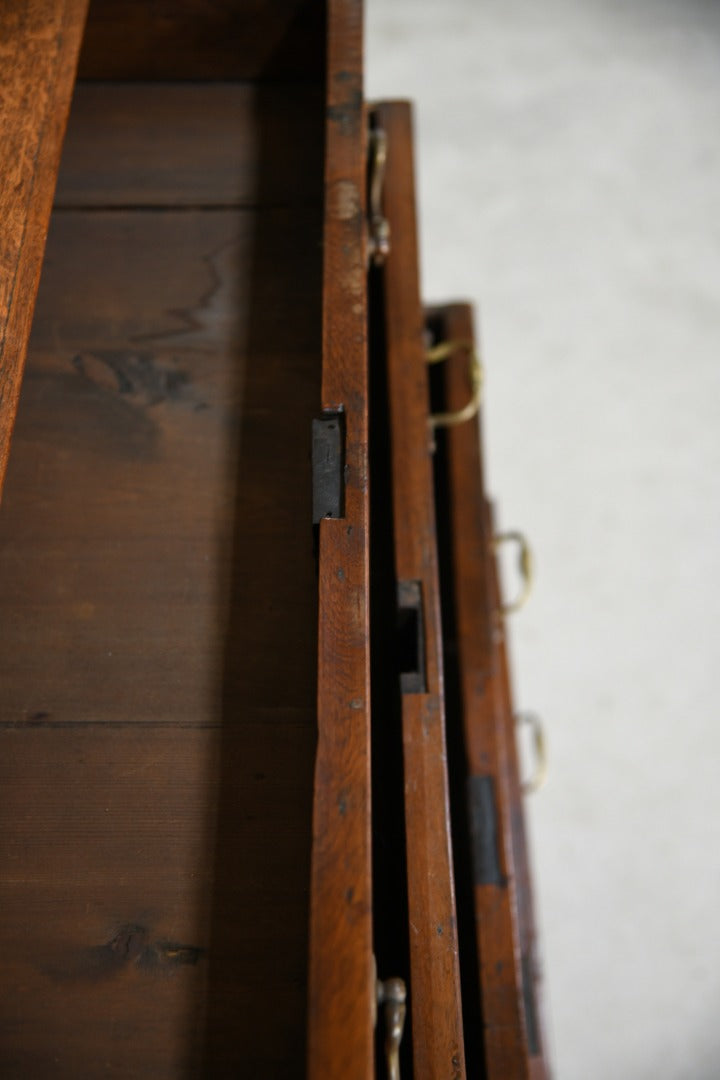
point(251, 761)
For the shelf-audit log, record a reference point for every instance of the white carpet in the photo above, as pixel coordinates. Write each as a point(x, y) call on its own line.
point(569, 175)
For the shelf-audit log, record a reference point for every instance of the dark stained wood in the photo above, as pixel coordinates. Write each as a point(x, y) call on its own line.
point(434, 994)
point(179, 146)
point(107, 852)
point(495, 902)
point(538, 1068)
point(119, 506)
point(185, 768)
point(204, 39)
point(342, 984)
point(157, 613)
point(502, 908)
point(39, 44)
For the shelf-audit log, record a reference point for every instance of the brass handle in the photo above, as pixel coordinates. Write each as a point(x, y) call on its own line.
point(540, 774)
point(393, 995)
point(444, 351)
point(525, 566)
point(379, 226)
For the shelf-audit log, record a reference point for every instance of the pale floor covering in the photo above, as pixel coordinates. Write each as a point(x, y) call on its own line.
point(569, 171)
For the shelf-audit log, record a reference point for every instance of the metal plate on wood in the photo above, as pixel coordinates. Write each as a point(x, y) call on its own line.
point(328, 460)
point(484, 831)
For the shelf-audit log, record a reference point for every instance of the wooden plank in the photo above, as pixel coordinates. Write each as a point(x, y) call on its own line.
point(494, 804)
point(204, 39)
point(190, 144)
point(437, 1031)
point(110, 949)
point(494, 889)
point(538, 1067)
point(342, 978)
point(39, 44)
point(158, 656)
point(160, 371)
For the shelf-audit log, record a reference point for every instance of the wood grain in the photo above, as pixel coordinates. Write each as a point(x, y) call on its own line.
point(538, 1066)
point(503, 906)
point(116, 540)
point(438, 1048)
point(107, 853)
point(179, 146)
point(342, 985)
point(158, 604)
point(39, 45)
point(204, 39)
point(495, 901)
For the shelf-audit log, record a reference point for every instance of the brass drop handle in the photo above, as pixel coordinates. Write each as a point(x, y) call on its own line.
point(436, 355)
point(378, 224)
point(393, 995)
point(540, 773)
point(525, 566)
